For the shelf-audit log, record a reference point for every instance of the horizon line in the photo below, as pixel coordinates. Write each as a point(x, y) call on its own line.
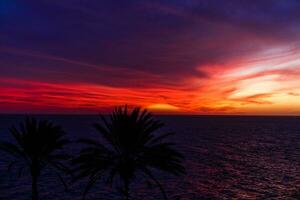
point(161, 114)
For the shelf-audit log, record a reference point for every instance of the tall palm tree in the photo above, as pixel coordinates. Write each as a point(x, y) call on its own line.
point(131, 146)
point(37, 144)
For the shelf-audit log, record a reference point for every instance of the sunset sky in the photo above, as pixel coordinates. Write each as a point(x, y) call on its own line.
point(170, 56)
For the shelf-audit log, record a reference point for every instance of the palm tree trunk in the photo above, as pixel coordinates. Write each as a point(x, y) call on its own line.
point(126, 191)
point(126, 196)
point(34, 188)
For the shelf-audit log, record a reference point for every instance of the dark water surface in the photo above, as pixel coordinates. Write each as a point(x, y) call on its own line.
point(226, 158)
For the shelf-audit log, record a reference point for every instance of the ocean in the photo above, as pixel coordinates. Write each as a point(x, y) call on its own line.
point(226, 157)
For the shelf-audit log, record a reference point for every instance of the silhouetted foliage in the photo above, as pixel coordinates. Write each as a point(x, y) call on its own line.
point(131, 146)
point(38, 145)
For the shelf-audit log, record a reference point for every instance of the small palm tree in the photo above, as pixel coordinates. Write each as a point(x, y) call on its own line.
point(38, 144)
point(131, 145)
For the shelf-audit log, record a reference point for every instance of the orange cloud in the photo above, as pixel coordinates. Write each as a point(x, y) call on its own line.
point(269, 85)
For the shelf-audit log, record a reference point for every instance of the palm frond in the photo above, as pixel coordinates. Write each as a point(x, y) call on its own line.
point(39, 144)
point(92, 180)
point(160, 138)
point(12, 149)
point(135, 146)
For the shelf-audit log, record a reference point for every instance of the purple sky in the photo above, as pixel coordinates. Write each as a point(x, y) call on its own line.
point(179, 48)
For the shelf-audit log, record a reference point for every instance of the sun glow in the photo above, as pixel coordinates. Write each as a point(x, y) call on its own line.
point(162, 107)
point(256, 86)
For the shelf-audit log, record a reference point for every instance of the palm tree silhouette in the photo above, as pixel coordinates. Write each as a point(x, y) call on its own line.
point(130, 146)
point(38, 144)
